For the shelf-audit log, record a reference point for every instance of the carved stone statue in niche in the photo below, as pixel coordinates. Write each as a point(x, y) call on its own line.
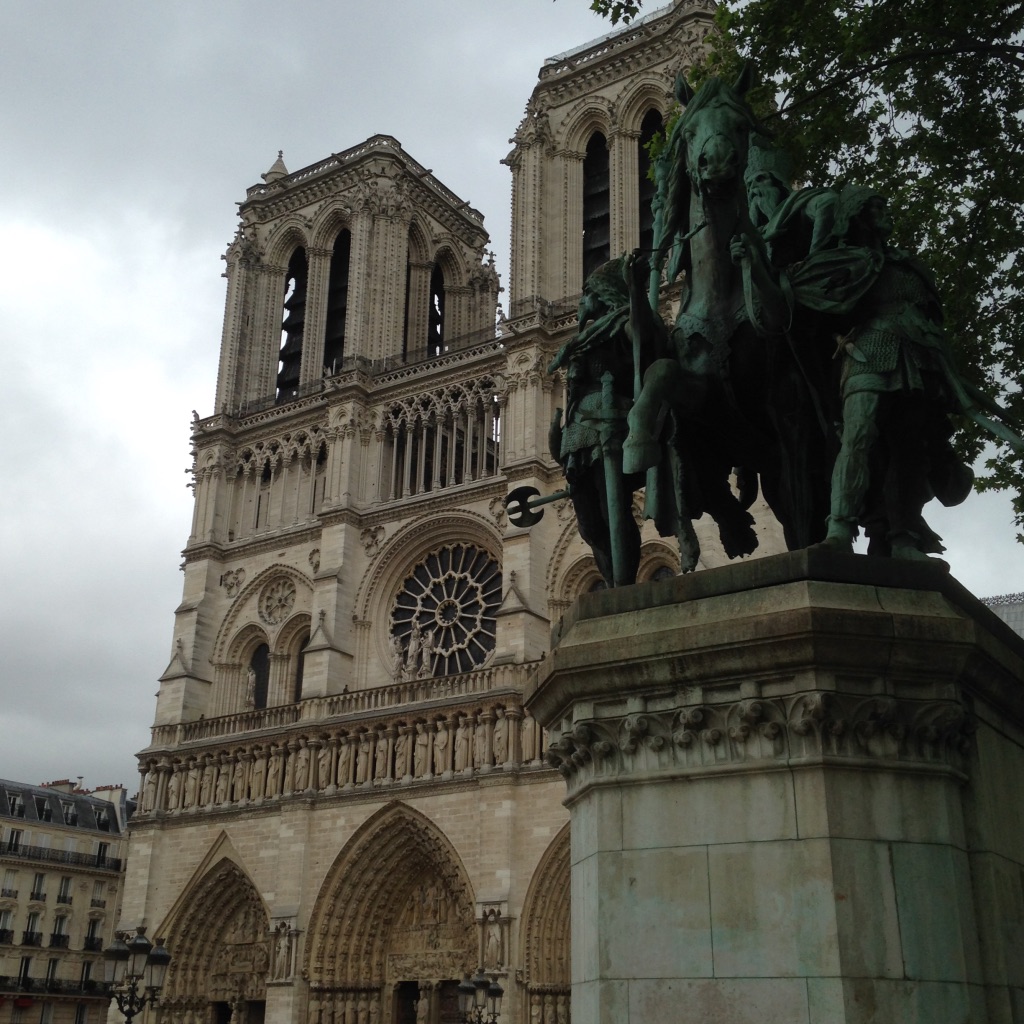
point(382, 770)
point(259, 773)
point(173, 791)
point(421, 751)
point(363, 759)
point(344, 760)
point(206, 787)
point(191, 784)
point(462, 745)
point(441, 747)
point(149, 791)
point(282, 952)
point(402, 753)
point(492, 940)
point(223, 778)
point(274, 772)
point(324, 766)
point(301, 768)
point(500, 737)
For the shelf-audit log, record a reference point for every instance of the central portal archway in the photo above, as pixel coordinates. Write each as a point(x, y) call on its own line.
point(393, 929)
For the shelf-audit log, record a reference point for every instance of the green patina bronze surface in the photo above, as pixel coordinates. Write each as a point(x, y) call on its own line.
point(807, 355)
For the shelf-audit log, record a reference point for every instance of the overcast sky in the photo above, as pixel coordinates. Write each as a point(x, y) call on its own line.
point(129, 132)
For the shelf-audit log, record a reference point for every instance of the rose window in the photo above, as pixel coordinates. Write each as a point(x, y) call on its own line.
point(277, 601)
point(444, 612)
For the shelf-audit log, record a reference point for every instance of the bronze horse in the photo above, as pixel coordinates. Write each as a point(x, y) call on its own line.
point(728, 388)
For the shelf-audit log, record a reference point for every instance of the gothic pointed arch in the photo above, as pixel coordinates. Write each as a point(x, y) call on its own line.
point(406, 551)
point(590, 115)
point(270, 598)
point(396, 905)
point(545, 935)
point(219, 931)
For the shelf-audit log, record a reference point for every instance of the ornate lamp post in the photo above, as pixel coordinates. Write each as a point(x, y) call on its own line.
point(478, 994)
point(136, 964)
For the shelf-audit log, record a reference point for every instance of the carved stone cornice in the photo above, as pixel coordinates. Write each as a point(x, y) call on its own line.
point(807, 658)
point(756, 735)
point(237, 550)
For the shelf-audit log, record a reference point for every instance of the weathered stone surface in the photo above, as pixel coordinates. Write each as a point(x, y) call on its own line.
point(788, 783)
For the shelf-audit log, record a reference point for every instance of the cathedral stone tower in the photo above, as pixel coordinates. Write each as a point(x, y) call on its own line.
point(344, 806)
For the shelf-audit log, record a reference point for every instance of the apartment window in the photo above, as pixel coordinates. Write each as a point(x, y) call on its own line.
point(64, 890)
point(46, 1014)
point(70, 814)
point(14, 840)
point(81, 1014)
point(59, 936)
point(10, 886)
point(98, 894)
point(93, 939)
point(25, 971)
point(6, 927)
point(51, 970)
point(39, 886)
point(101, 853)
point(43, 810)
point(32, 935)
point(16, 805)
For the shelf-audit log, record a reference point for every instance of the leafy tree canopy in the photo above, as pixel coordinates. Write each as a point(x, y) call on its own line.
point(924, 101)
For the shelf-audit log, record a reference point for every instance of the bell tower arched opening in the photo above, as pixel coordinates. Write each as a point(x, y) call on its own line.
point(293, 327)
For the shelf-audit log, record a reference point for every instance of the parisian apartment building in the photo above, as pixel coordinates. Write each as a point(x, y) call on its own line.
point(62, 863)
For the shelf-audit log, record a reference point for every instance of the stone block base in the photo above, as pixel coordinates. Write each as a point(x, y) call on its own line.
point(795, 789)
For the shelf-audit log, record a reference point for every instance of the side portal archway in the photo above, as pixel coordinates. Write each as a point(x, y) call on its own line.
point(546, 938)
point(220, 939)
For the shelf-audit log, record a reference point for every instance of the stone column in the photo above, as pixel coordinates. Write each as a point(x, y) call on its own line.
point(786, 781)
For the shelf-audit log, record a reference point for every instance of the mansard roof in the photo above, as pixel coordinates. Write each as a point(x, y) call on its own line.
point(37, 805)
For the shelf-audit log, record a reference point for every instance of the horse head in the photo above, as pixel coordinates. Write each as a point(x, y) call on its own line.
point(714, 131)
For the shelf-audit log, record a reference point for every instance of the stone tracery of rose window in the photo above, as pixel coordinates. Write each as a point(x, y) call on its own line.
point(444, 613)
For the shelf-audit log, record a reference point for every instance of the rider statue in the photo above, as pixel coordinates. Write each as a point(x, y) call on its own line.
point(598, 363)
point(898, 386)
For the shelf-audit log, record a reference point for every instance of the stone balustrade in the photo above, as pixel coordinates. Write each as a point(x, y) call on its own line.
point(426, 744)
point(316, 709)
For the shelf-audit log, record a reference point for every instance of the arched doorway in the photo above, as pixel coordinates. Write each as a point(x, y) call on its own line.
point(545, 937)
point(393, 929)
point(221, 952)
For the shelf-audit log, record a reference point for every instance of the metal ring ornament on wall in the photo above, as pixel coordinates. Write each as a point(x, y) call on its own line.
point(452, 595)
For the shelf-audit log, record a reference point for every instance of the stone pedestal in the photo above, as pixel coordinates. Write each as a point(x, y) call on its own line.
point(795, 787)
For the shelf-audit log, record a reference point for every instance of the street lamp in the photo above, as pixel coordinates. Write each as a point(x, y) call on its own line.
point(478, 994)
point(136, 964)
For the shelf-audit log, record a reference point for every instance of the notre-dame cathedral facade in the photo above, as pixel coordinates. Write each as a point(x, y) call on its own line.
point(344, 806)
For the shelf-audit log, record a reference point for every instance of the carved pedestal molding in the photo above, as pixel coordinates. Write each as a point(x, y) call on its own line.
point(787, 784)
